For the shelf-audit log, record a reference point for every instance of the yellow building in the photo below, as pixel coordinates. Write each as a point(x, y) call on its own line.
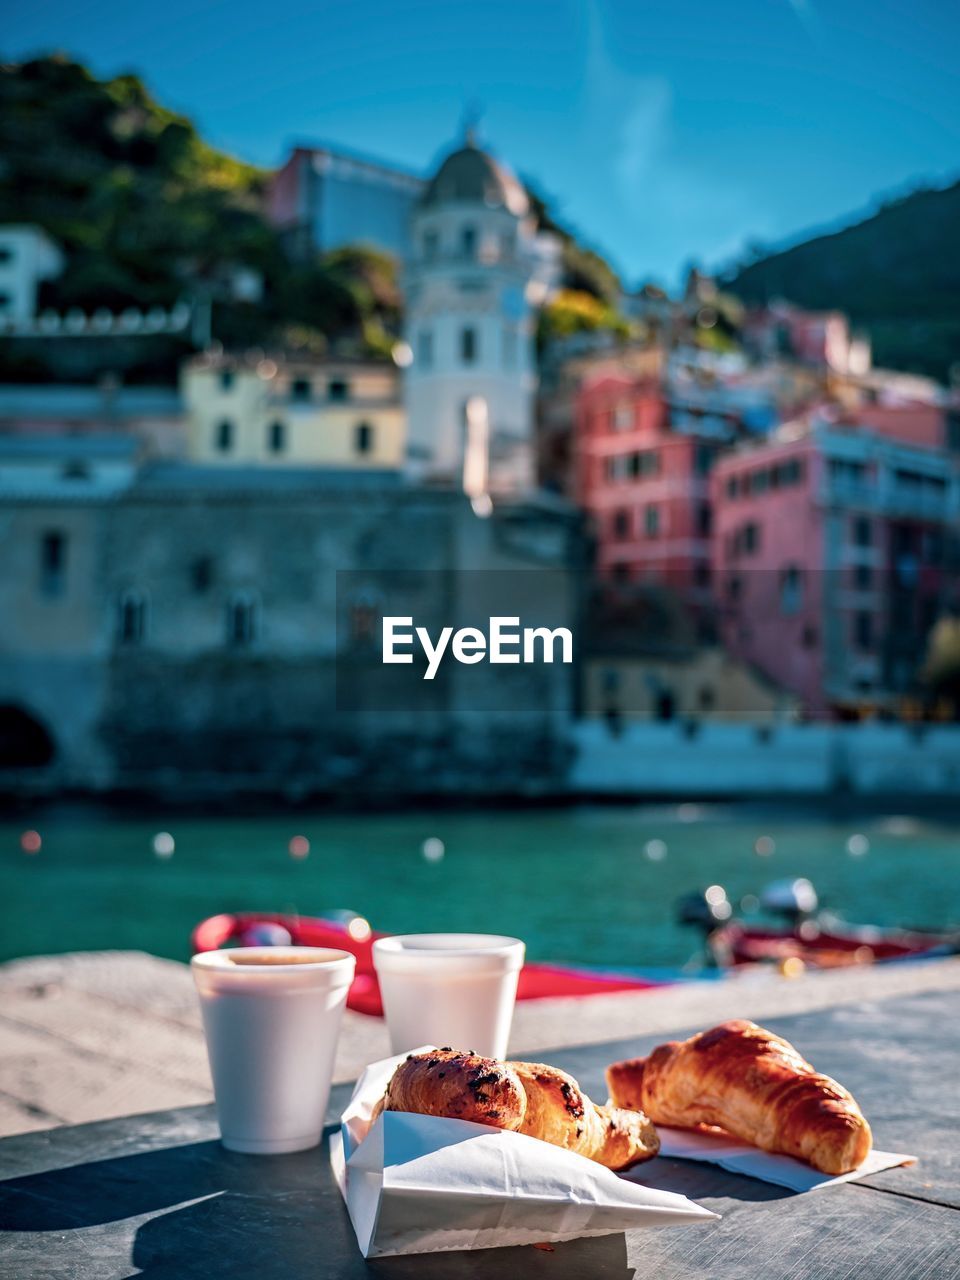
point(702, 684)
point(259, 411)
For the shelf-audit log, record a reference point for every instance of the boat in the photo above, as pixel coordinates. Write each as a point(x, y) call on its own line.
point(347, 931)
point(822, 946)
point(816, 939)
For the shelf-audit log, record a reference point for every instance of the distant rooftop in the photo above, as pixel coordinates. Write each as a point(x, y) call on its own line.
point(361, 160)
point(175, 477)
point(470, 174)
point(68, 448)
point(77, 401)
point(253, 360)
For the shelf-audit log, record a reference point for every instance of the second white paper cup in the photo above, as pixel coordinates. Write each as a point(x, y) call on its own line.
point(455, 989)
point(271, 1017)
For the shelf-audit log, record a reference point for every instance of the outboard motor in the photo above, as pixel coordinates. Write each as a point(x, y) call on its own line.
point(707, 909)
point(794, 900)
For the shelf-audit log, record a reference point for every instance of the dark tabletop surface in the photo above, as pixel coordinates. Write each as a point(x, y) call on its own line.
point(158, 1196)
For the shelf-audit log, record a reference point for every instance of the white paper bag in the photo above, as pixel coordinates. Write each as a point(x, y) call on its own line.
point(740, 1157)
point(420, 1184)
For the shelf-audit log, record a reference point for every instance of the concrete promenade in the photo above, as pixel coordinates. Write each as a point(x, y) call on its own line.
point(90, 1036)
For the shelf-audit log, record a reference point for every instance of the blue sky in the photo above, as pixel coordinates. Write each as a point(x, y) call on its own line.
point(664, 131)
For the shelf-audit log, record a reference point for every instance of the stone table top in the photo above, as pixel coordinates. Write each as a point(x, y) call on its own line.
point(157, 1195)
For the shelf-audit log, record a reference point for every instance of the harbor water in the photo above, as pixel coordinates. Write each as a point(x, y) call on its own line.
point(592, 885)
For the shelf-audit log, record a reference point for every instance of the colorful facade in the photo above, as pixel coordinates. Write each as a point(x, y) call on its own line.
point(833, 554)
point(644, 484)
point(293, 412)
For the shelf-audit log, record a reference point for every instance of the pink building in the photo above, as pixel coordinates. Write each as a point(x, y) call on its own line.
point(644, 485)
point(921, 423)
point(832, 553)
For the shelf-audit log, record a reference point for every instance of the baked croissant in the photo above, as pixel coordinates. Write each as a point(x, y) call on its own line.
point(558, 1111)
point(751, 1083)
point(523, 1097)
point(460, 1086)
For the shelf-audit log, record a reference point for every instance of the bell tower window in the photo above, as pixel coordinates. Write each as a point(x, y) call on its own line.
point(425, 349)
point(468, 345)
point(509, 347)
point(468, 242)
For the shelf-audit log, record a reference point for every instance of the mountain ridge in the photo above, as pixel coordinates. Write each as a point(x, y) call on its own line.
point(895, 273)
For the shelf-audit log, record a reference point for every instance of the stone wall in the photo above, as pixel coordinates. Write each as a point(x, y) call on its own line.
point(186, 709)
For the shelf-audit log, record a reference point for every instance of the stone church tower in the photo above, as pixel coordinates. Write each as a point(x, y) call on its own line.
point(477, 271)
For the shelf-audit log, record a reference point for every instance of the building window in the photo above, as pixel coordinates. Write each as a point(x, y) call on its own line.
point(6, 253)
point(863, 631)
point(791, 589)
point(468, 242)
point(623, 417)
point(862, 531)
point(277, 437)
point(733, 486)
point(848, 475)
point(808, 638)
point(338, 389)
point(201, 575)
point(651, 521)
point(793, 471)
point(225, 435)
point(53, 563)
point(621, 524)
point(301, 391)
point(431, 243)
point(750, 541)
point(363, 438)
point(132, 618)
point(701, 574)
point(863, 577)
point(703, 459)
point(468, 345)
point(734, 588)
point(704, 520)
point(241, 620)
point(226, 379)
point(425, 349)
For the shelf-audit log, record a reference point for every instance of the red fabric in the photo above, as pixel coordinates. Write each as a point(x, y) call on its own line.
point(537, 981)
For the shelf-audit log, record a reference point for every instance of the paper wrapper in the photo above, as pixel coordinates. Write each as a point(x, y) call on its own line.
point(422, 1184)
point(739, 1157)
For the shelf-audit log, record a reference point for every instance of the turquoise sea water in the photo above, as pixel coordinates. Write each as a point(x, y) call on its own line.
point(577, 884)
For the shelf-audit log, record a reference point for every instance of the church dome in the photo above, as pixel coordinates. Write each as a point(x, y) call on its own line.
point(473, 176)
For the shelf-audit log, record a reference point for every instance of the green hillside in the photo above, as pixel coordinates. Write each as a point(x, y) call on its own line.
point(149, 213)
point(896, 274)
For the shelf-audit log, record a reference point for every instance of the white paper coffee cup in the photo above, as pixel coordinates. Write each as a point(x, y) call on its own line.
point(454, 989)
point(271, 1016)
